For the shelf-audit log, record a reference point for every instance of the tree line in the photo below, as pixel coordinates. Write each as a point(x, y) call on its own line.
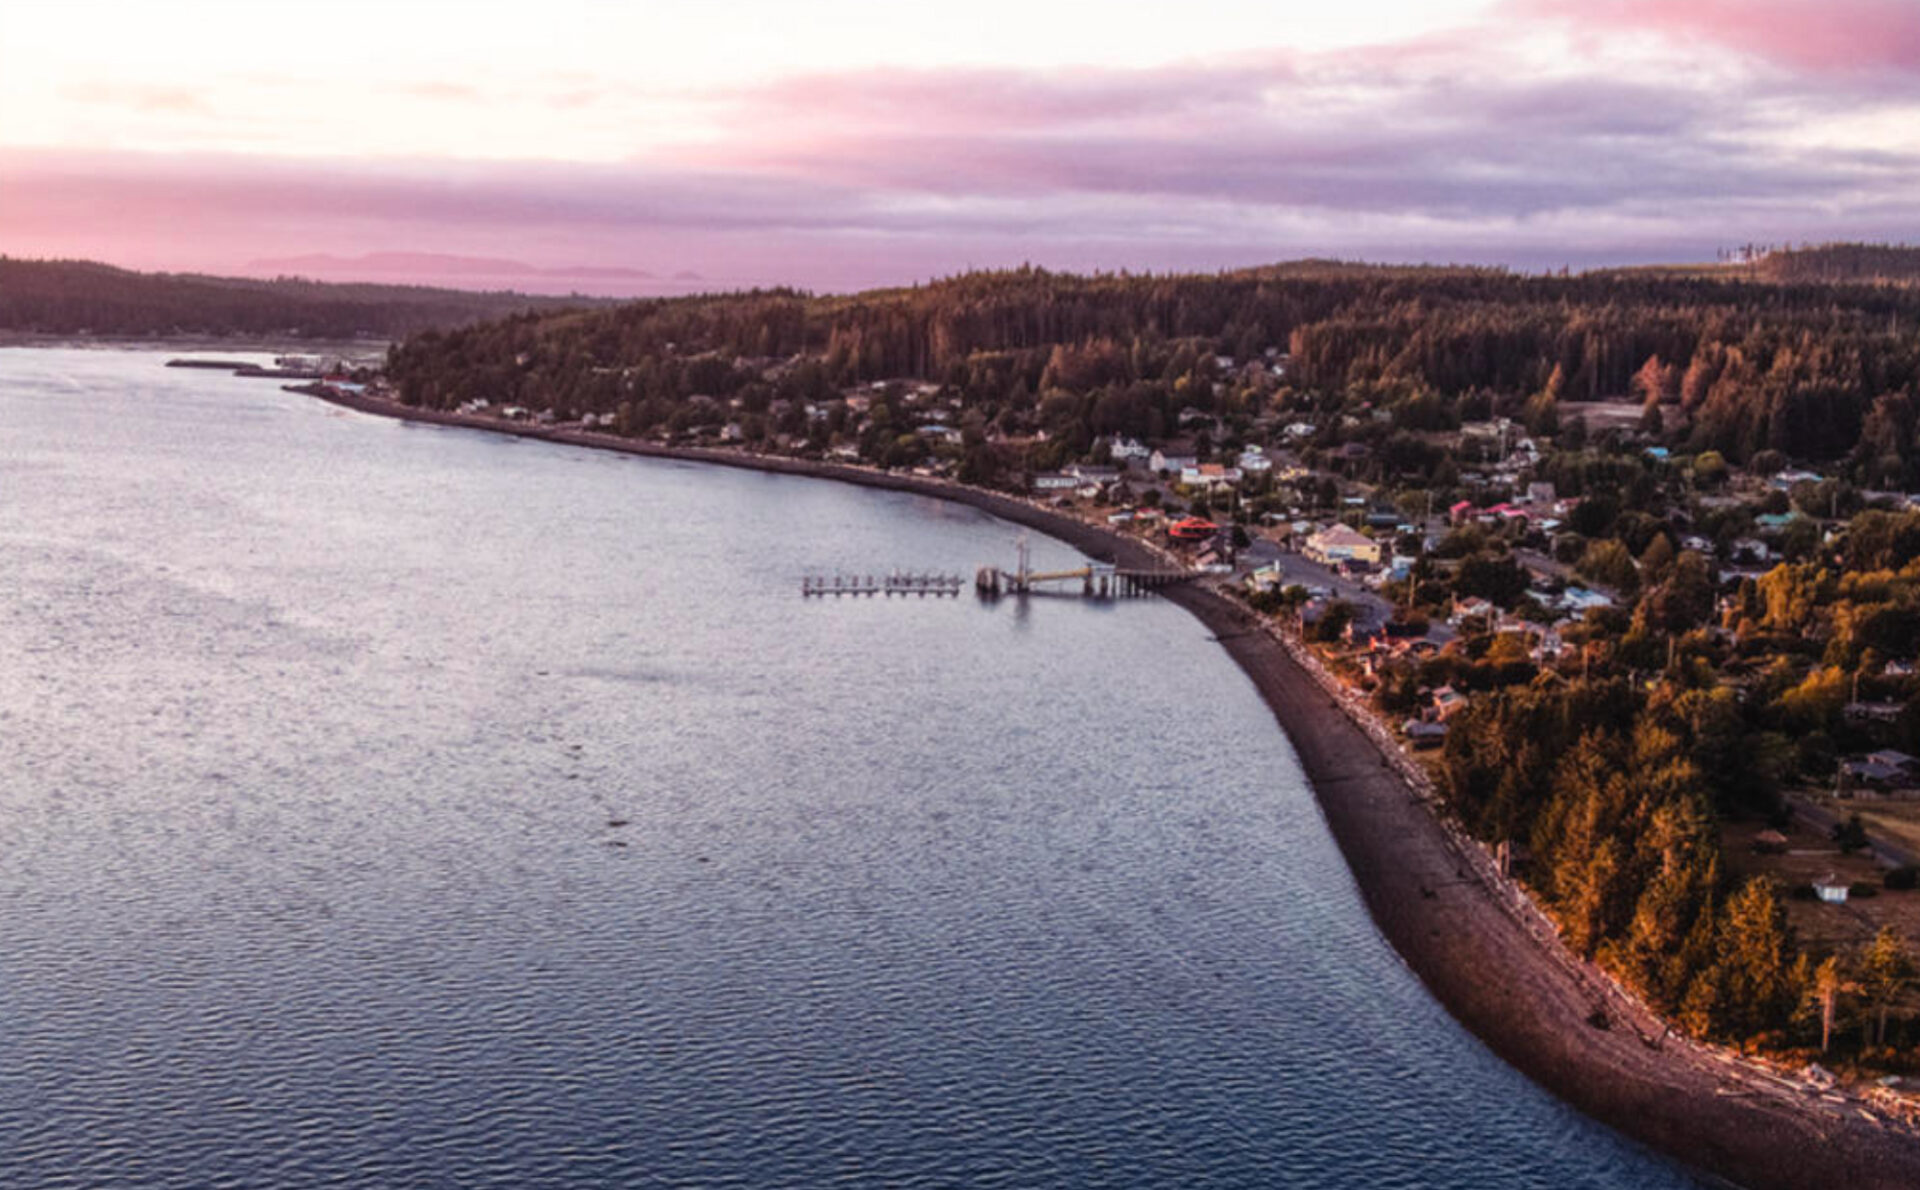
point(1739, 366)
point(67, 297)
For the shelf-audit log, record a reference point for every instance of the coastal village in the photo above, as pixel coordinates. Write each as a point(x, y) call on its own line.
point(1658, 660)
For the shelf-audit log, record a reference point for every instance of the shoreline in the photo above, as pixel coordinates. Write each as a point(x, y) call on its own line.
point(1487, 956)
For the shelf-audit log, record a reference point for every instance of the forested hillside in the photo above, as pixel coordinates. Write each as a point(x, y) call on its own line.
point(80, 297)
point(1891, 263)
point(1742, 366)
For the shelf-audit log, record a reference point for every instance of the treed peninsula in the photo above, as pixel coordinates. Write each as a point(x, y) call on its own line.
point(84, 299)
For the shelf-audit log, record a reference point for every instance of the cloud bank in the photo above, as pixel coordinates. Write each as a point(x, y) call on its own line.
point(1576, 133)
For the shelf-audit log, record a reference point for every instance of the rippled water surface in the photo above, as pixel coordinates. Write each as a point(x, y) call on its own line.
point(387, 805)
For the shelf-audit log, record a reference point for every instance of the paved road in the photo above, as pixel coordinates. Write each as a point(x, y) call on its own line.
point(1535, 560)
point(1308, 573)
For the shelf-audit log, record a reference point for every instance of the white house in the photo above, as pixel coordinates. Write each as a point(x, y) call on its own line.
point(1471, 608)
point(941, 432)
point(1579, 599)
point(1209, 475)
point(1160, 460)
point(1254, 462)
point(1126, 449)
point(1055, 481)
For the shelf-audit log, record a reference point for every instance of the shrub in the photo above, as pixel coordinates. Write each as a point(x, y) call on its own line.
point(1903, 878)
point(1851, 835)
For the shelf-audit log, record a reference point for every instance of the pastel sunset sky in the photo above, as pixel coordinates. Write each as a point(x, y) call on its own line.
point(849, 142)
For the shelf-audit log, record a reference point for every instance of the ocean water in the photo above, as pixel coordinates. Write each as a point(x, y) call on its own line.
point(391, 805)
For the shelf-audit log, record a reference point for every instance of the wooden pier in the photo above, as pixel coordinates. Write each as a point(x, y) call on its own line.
point(895, 583)
point(1096, 581)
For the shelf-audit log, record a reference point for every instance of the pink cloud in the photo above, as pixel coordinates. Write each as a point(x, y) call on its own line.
point(1446, 147)
point(1820, 36)
point(1009, 99)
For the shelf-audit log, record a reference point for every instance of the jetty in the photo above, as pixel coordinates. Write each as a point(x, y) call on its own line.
point(894, 583)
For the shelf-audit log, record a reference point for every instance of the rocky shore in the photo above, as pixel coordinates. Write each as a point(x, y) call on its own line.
point(1479, 946)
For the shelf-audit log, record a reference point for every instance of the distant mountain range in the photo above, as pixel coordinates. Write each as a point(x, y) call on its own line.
point(441, 268)
point(414, 264)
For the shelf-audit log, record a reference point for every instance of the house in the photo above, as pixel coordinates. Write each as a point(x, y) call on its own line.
point(1872, 772)
point(1055, 481)
point(1579, 599)
point(1471, 609)
point(1124, 450)
point(1770, 842)
point(1541, 494)
point(1267, 578)
point(1874, 712)
point(1168, 461)
point(1337, 543)
point(1254, 462)
point(1831, 889)
point(1446, 702)
point(1209, 475)
point(1548, 647)
point(1424, 735)
point(1192, 528)
point(1461, 512)
point(1088, 473)
point(1898, 760)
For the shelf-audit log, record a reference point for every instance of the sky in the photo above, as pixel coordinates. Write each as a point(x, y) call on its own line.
point(644, 146)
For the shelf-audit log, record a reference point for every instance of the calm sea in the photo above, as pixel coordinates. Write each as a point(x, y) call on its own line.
point(388, 805)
